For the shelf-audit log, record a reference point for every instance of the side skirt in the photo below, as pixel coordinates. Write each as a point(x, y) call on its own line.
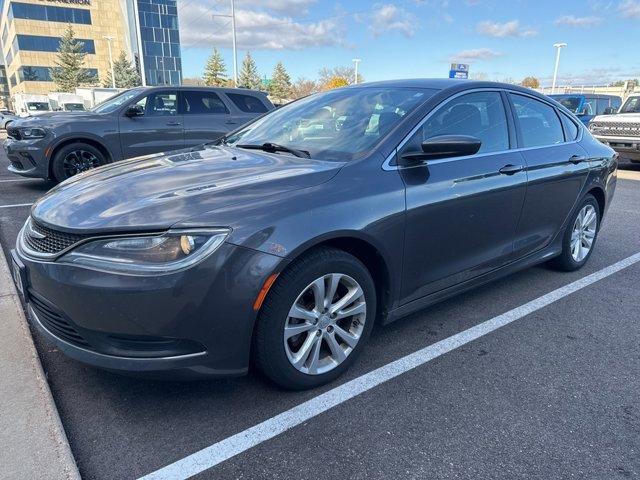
point(541, 256)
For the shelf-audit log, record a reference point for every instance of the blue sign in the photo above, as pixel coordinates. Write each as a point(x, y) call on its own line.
point(459, 70)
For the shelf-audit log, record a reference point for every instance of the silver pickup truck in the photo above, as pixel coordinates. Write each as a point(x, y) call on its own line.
point(621, 131)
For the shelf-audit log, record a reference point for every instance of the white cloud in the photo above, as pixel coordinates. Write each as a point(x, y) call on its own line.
point(573, 21)
point(474, 54)
point(630, 9)
point(507, 29)
point(388, 18)
point(257, 28)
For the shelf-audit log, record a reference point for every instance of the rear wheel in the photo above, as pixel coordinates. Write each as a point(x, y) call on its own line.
point(75, 158)
point(315, 320)
point(580, 236)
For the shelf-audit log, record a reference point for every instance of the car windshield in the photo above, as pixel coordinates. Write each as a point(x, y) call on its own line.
point(74, 107)
point(115, 102)
point(336, 125)
point(632, 105)
point(572, 103)
point(38, 106)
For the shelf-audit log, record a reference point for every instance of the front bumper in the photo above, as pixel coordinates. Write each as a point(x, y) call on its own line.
point(627, 147)
point(194, 323)
point(27, 157)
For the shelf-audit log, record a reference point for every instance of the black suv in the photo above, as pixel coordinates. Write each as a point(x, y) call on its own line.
point(137, 122)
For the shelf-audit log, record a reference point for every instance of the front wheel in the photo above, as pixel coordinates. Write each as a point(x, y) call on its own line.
point(315, 320)
point(75, 158)
point(580, 236)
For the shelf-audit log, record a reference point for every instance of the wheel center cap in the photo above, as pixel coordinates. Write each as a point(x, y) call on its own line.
point(324, 321)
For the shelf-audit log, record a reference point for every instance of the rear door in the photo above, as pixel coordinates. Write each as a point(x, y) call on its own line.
point(206, 117)
point(247, 107)
point(158, 129)
point(462, 213)
point(557, 168)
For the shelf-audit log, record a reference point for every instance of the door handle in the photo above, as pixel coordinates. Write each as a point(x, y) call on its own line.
point(511, 169)
point(576, 159)
point(173, 124)
point(231, 122)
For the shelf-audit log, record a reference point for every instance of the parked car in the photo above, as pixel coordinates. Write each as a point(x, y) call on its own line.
point(621, 131)
point(288, 247)
point(587, 106)
point(137, 122)
point(6, 117)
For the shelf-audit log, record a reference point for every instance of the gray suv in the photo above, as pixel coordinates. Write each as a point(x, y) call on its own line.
point(137, 122)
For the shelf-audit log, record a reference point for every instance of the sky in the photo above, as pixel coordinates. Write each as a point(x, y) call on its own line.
point(500, 39)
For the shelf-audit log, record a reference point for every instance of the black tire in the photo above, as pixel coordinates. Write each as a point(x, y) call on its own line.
point(269, 350)
point(565, 261)
point(88, 157)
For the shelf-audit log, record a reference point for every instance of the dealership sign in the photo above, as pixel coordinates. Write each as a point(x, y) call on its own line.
point(459, 70)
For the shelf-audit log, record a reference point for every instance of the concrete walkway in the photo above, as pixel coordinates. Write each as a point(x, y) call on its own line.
point(32, 440)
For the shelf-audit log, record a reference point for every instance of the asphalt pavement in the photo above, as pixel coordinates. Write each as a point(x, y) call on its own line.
point(554, 394)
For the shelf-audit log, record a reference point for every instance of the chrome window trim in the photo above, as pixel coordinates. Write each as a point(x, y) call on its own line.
point(386, 165)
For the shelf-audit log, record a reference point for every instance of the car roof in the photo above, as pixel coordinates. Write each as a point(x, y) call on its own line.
point(209, 89)
point(442, 84)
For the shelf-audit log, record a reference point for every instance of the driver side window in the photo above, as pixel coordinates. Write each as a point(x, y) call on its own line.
point(159, 104)
point(479, 114)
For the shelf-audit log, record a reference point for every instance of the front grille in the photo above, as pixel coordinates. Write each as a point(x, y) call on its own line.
point(618, 129)
point(14, 133)
point(46, 240)
point(55, 322)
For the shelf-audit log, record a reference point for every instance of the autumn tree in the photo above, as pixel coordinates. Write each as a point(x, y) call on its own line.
point(303, 87)
point(249, 77)
point(280, 86)
point(530, 82)
point(69, 72)
point(215, 71)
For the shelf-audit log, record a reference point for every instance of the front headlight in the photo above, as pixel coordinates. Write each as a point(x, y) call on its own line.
point(148, 254)
point(32, 133)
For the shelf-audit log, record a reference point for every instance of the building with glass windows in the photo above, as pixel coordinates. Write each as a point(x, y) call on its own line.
point(146, 30)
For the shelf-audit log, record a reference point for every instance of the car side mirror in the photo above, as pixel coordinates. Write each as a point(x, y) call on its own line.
point(443, 146)
point(609, 111)
point(134, 111)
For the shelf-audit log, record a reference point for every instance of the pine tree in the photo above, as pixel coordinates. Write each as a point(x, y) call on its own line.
point(69, 71)
point(280, 86)
point(249, 77)
point(125, 74)
point(215, 71)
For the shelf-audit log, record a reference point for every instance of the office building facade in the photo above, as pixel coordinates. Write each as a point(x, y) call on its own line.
point(146, 30)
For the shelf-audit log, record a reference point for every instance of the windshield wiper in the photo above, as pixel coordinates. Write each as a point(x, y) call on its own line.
point(274, 147)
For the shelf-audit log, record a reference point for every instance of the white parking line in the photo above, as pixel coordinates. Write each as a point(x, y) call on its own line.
point(16, 205)
point(219, 452)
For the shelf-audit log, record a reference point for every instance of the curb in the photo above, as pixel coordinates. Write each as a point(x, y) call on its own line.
point(34, 444)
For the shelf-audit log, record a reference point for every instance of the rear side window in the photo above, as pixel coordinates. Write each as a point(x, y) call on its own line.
point(479, 114)
point(248, 103)
point(570, 128)
point(539, 123)
point(203, 103)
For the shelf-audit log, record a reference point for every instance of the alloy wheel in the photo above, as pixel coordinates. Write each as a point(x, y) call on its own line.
point(325, 323)
point(78, 161)
point(583, 233)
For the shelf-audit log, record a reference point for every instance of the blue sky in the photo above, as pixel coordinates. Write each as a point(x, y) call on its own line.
point(419, 38)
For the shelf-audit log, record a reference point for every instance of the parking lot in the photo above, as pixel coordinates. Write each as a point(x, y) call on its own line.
point(551, 394)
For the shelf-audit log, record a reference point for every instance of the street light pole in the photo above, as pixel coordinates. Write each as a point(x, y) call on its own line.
point(356, 61)
point(558, 46)
point(235, 56)
point(113, 75)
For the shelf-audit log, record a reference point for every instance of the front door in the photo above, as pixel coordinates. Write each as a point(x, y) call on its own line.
point(462, 213)
point(159, 128)
point(557, 168)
